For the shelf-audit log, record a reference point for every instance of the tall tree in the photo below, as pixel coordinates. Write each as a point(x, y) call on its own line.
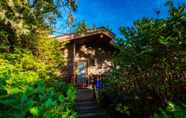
point(21, 21)
point(152, 63)
point(82, 27)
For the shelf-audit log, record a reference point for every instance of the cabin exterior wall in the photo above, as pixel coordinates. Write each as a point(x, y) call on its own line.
point(96, 56)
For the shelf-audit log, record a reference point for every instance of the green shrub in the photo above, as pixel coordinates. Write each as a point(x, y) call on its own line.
point(151, 65)
point(30, 61)
point(173, 110)
point(29, 88)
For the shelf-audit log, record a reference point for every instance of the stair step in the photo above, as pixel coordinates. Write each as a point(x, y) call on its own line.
point(87, 111)
point(86, 107)
point(86, 103)
point(85, 99)
point(92, 115)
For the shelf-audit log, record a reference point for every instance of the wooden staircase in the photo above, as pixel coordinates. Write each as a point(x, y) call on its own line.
point(86, 105)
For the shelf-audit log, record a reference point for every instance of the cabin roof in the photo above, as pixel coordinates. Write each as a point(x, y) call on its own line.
point(89, 33)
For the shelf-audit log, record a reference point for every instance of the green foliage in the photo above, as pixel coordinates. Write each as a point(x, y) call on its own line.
point(82, 27)
point(30, 61)
point(171, 111)
point(150, 68)
point(28, 89)
point(22, 20)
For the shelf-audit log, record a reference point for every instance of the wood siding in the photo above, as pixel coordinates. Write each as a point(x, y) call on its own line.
point(96, 51)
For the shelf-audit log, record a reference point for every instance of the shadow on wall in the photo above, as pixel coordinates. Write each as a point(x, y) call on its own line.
point(96, 53)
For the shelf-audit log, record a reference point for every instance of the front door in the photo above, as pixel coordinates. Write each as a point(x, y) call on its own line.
point(81, 74)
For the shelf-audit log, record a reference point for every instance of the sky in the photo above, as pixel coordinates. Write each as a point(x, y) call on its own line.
point(116, 13)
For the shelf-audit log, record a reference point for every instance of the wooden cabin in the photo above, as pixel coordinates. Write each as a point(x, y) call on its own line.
point(88, 56)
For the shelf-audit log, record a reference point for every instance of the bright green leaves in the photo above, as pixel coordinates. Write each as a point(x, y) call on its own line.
point(173, 110)
point(122, 108)
point(27, 89)
point(71, 93)
point(34, 111)
point(163, 40)
point(30, 60)
point(68, 114)
point(13, 90)
point(170, 107)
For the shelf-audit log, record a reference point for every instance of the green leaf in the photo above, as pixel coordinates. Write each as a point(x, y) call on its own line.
point(13, 90)
point(163, 40)
point(34, 111)
point(170, 107)
point(61, 98)
point(49, 103)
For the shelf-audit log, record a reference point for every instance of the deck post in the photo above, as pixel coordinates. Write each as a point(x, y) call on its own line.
point(74, 63)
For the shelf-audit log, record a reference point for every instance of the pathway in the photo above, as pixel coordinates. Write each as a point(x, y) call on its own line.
point(86, 105)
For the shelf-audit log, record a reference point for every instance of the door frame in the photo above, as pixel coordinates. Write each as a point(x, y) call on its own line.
point(86, 69)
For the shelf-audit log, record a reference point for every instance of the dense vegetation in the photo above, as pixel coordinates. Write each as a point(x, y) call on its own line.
point(148, 80)
point(30, 83)
point(150, 73)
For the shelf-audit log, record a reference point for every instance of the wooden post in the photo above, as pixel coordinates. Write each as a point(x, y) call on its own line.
point(74, 64)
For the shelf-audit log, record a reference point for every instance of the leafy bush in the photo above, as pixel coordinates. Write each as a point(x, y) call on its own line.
point(30, 88)
point(150, 67)
point(30, 61)
point(172, 111)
